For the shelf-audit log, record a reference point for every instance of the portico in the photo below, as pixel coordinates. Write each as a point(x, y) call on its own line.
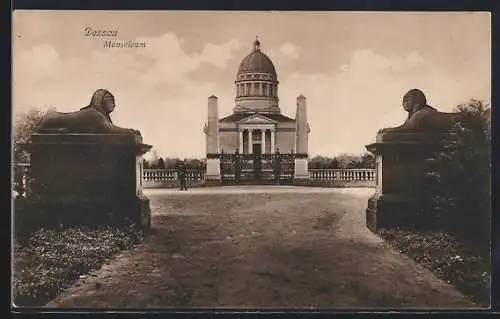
point(262, 135)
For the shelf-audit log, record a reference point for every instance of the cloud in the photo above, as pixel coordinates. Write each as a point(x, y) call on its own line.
point(41, 59)
point(287, 52)
point(154, 86)
point(219, 55)
point(290, 51)
point(157, 92)
point(348, 105)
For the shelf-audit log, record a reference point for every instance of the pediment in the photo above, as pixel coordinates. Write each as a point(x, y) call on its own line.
point(257, 119)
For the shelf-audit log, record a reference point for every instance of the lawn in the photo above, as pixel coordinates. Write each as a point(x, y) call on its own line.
point(48, 261)
point(456, 261)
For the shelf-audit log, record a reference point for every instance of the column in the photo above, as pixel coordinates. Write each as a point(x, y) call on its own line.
point(250, 142)
point(240, 139)
point(272, 142)
point(263, 133)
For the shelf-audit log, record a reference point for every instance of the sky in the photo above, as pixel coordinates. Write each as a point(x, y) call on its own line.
point(353, 68)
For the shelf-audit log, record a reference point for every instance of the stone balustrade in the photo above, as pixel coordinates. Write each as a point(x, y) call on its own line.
point(322, 175)
point(354, 174)
point(169, 176)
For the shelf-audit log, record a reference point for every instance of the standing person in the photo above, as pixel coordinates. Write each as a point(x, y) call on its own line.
point(181, 173)
point(277, 166)
point(237, 166)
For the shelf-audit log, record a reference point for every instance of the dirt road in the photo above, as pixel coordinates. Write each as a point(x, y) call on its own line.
point(261, 247)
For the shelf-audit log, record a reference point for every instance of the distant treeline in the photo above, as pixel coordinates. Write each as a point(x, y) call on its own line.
point(341, 161)
point(172, 163)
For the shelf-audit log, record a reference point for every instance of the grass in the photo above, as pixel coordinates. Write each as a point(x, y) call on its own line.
point(48, 261)
point(455, 261)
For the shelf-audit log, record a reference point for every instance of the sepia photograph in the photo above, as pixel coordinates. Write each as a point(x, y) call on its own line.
point(326, 160)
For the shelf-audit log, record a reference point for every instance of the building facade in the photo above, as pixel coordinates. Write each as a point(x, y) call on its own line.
point(257, 125)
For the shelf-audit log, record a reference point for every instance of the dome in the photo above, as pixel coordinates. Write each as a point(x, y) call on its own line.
point(256, 85)
point(257, 62)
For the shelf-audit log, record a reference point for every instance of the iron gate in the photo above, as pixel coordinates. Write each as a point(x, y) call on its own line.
point(259, 168)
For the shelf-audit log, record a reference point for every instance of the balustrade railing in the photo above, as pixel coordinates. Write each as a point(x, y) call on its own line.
point(348, 174)
point(170, 175)
point(21, 176)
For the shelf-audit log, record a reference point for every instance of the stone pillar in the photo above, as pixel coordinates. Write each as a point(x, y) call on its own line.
point(301, 140)
point(88, 179)
point(213, 159)
point(273, 150)
point(240, 139)
point(250, 141)
point(263, 134)
point(400, 199)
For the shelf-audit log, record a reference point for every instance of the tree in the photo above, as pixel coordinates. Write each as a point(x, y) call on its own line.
point(171, 163)
point(367, 161)
point(26, 123)
point(153, 158)
point(347, 160)
point(319, 162)
point(161, 163)
point(194, 163)
point(460, 173)
point(335, 164)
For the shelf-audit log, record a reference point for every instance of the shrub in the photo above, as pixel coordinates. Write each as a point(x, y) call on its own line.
point(25, 125)
point(461, 174)
point(47, 261)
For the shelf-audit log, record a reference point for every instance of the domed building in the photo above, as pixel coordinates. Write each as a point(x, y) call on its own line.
point(257, 126)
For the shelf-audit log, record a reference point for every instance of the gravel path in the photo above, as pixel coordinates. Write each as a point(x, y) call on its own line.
point(261, 247)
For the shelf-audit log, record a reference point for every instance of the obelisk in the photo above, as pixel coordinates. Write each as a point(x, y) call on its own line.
point(212, 142)
point(301, 140)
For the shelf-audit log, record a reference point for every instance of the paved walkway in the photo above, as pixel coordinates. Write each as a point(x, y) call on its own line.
point(261, 247)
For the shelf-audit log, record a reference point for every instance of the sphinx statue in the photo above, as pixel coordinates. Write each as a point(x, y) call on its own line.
point(93, 118)
point(421, 116)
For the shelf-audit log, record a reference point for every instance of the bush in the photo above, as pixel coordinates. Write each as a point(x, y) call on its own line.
point(461, 173)
point(48, 261)
point(450, 259)
point(25, 125)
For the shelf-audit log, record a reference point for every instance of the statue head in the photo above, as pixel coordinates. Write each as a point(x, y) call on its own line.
point(103, 101)
point(414, 99)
